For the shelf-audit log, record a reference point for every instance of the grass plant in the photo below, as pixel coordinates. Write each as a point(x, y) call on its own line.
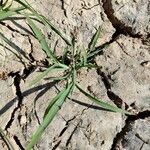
point(77, 60)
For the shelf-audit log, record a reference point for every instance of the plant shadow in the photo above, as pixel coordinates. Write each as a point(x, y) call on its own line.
point(45, 87)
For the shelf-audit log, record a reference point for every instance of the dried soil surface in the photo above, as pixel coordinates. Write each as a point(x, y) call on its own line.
point(122, 79)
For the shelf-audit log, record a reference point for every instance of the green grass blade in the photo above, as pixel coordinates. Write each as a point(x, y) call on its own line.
point(53, 101)
point(7, 4)
point(45, 73)
point(56, 30)
point(93, 42)
point(82, 56)
point(96, 51)
point(89, 65)
point(42, 40)
point(42, 75)
point(52, 109)
point(5, 14)
point(103, 104)
point(58, 78)
point(4, 137)
point(45, 21)
point(63, 66)
point(62, 94)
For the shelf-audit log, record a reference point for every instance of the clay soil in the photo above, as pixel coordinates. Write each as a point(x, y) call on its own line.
point(122, 77)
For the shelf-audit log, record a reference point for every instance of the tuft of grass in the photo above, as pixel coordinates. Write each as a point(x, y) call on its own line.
point(76, 59)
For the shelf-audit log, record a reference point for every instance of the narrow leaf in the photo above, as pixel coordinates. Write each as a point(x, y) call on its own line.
point(98, 50)
point(53, 101)
point(52, 110)
point(5, 14)
point(42, 40)
point(7, 4)
point(89, 65)
point(45, 73)
point(103, 104)
point(94, 40)
point(58, 78)
point(45, 21)
point(56, 30)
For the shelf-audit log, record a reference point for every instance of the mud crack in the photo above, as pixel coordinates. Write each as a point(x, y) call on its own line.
point(84, 6)
point(99, 49)
point(76, 126)
point(63, 7)
point(18, 142)
point(138, 136)
point(12, 29)
point(111, 95)
point(117, 24)
point(17, 79)
point(63, 131)
point(128, 127)
point(66, 126)
point(68, 122)
point(27, 71)
point(30, 54)
point(70, 137)
point(123, 48)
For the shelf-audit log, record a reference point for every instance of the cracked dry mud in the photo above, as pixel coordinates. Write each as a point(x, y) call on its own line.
point(122, 79)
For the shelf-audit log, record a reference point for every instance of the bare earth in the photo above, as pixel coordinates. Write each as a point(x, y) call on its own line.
point(122, 79)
